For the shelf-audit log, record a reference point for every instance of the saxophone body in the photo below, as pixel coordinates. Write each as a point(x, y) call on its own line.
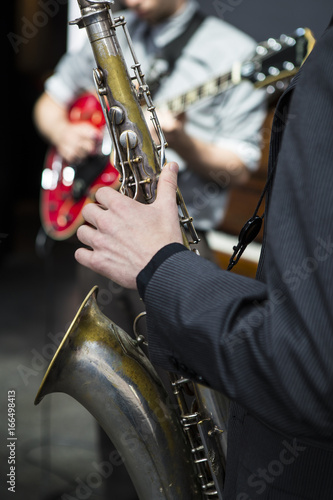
point(102, 367)
point(172, 449)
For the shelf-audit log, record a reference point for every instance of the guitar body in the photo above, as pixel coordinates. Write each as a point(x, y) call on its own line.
point(67, 188)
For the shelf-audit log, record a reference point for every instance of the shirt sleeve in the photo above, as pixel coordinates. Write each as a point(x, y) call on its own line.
point(239, 122)
point(72, 76)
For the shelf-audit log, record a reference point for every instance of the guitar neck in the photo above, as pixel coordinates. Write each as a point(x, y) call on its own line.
point(274, 61)
point(213, 87)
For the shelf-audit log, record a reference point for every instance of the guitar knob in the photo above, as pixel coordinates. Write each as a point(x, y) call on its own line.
point(68, 176)
point(62, 220)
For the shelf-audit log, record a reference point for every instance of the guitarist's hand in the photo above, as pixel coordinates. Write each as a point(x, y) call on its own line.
point(172, 126)
point(75, 141)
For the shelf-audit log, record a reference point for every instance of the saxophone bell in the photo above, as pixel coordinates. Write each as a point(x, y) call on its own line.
point(103, 368)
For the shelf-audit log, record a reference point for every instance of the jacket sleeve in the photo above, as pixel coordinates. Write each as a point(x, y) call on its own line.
point(266, 344)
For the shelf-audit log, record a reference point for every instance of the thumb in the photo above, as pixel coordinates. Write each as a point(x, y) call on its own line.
point(167, 183)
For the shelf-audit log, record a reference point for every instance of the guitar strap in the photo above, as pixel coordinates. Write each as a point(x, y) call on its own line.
point(165, 59)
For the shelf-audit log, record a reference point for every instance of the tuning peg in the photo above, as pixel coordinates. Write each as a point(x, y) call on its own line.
point(274, 44)
point(272, 70)
point(270, 89)
point(289, 66)
point(247, 69)
point(260, 77)
point(300, 32)
point(287, 40)
point(261, 50)
point(281, 85)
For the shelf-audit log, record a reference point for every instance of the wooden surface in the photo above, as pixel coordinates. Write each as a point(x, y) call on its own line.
point(243, 199)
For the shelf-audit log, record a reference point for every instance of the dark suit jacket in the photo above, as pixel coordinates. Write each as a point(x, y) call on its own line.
point(267, 343)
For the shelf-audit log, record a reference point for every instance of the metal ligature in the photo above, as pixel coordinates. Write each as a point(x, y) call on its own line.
point(173, 450)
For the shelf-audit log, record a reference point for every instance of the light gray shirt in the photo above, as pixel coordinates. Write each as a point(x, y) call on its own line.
point(232, 120)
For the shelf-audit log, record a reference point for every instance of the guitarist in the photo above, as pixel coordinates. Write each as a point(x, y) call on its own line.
point(216, 143)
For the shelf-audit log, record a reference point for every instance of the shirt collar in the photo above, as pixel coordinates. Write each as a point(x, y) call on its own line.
point(163, 33)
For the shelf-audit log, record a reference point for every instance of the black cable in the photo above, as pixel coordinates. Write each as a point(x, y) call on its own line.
point(251, 227)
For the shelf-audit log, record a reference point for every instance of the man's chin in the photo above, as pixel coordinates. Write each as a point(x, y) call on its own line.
point(147, 16)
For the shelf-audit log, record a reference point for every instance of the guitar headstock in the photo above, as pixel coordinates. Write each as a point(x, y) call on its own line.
point(278, 59)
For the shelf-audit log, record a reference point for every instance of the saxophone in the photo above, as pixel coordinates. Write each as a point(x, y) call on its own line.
point(172, 449)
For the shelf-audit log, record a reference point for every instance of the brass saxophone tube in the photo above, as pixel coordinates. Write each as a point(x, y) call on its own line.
point(103, 368)
point(136, 154)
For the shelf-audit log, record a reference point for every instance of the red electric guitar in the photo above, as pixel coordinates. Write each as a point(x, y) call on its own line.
point(65, 189)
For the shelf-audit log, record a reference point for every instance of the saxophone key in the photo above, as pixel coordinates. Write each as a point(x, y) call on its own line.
point(128, 139)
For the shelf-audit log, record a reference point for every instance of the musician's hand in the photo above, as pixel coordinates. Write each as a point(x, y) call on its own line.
point(172, 126)
point(124, 234)
point(75, 141)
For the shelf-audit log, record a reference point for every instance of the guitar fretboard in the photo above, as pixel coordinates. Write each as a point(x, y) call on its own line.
point(274, 60)
point(209, 89)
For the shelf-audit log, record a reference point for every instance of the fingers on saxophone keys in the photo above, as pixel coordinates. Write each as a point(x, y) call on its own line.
point(84, 257)
point(104, 195)
point(91, 213)
point(86, 235)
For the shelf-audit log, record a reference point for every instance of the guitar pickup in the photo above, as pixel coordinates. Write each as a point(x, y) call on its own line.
point(86, 172)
